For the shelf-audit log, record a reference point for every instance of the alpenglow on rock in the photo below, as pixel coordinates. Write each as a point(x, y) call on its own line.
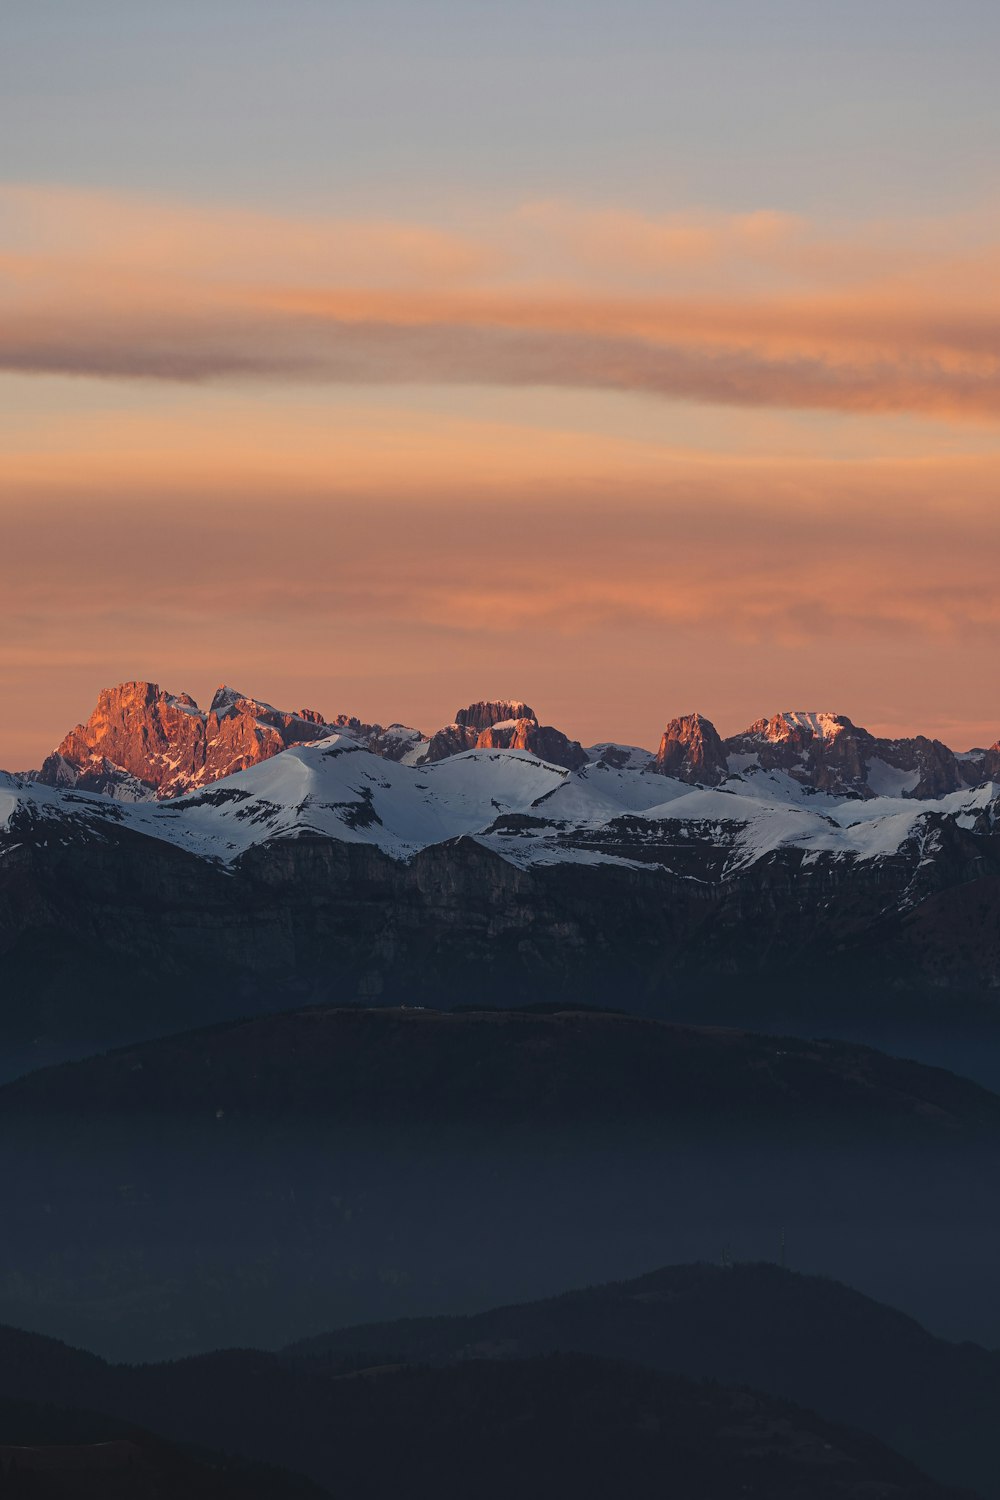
point(823, 752)
point(830, 753)
point(691, 750)
point(504, 725)
point(141, 742)
point(327, 865)
point(144, 743)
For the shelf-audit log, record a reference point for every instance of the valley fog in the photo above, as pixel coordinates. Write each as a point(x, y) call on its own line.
point(174, 1241)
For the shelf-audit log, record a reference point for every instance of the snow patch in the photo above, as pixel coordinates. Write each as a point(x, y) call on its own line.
point(889, 781)
point(824, 726)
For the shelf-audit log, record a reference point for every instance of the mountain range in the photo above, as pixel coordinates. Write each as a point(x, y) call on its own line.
point(435, 984)
point(142, 742)
point(306, 860)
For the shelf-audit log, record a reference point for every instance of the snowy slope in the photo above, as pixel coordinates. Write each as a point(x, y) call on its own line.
point(529, 811)
point(336, 789)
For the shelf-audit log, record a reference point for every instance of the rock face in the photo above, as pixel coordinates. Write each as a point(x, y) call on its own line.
point(692, 751)
point(540, 739)
point(937, 769)
point(825, 752)
point(484, 715)
point(92, 915)
point(451, 740)
point(505, 725)
point(831, 754)
point(141, 741)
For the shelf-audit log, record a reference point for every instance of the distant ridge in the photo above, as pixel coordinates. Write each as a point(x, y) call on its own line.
point(142, 741)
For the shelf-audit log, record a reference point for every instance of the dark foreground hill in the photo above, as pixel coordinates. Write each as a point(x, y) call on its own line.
point(50, 1452)
point(565, 1424)
point(803, 1337)
point(499, 1068)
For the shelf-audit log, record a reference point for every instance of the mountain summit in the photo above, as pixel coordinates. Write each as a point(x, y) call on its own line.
point(142, 742)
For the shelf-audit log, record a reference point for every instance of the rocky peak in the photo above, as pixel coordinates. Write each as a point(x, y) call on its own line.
point(484, 715)
point(802, 725)
point(228, 701)
point(692, 751)
point(141, 741)
point(183, 700)
point(540, 739)
point(826, 751)
point(225, 699)
point(503, 724)
point(832, 754)
point(134, 732)
point(160, 744)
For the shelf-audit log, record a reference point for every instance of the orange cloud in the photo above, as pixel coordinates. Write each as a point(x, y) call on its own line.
point(881, 323)
point(615, 584)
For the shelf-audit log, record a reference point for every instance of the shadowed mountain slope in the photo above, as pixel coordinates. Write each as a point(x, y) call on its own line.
point(328, 871)
point(50, 1452)
point(565, 1424)
point(510, 1067)
point(808, 1338)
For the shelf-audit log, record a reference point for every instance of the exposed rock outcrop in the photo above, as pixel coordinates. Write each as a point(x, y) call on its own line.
point(93, 912)
point(504, 725)
point(540, 739)
point(830, 753)
point(452, 740)
point(822, 750)
point(484, 715)
point(692, 751)
point(142, 742)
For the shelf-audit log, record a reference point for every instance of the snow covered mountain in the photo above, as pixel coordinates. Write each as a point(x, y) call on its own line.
point(142, 743)
point(824, 752)
point(525, 809)
point(803, 858)
point(246, 775)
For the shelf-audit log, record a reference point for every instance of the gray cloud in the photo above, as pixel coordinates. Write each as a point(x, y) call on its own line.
point(310, 348)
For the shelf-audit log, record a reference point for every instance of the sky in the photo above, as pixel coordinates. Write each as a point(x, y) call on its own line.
point(378, 357)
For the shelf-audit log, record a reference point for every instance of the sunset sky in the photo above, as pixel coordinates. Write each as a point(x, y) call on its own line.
point(375, 356)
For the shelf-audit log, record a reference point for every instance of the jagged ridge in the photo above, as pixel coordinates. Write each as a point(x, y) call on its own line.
point(142, 742)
